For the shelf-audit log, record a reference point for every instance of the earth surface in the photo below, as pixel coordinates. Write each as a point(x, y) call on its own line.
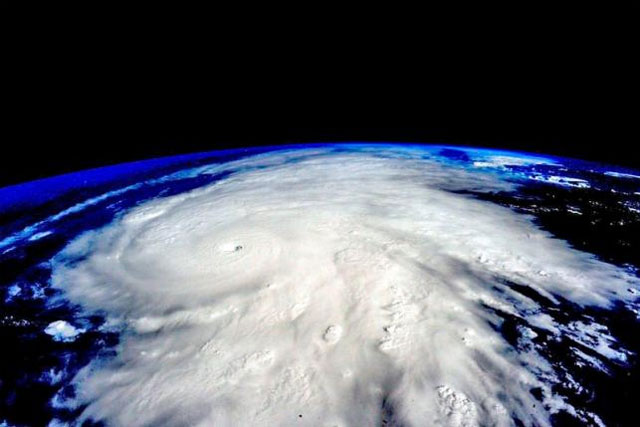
point(338, 285)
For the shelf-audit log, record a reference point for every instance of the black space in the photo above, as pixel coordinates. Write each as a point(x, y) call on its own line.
point(87, 88)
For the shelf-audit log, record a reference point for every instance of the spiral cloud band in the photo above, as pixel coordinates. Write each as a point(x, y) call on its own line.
point(313, 287)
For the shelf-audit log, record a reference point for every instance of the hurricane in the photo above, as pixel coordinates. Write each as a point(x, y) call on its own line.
point(339, 286)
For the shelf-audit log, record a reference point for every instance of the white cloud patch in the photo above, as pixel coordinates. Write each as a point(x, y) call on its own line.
point(487, 159)
point(309, 292)
point(622, 175)
point(61, 330)
point(562, 180)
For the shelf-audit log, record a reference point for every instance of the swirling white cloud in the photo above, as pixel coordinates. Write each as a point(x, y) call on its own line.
point(313, 287)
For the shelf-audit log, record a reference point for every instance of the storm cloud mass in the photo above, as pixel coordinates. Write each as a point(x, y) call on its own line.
point(333, 287)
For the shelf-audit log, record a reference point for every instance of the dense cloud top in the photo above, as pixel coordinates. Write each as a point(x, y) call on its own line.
point(322, 287)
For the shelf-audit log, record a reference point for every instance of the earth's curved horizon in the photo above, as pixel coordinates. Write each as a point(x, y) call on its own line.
point(323, 284)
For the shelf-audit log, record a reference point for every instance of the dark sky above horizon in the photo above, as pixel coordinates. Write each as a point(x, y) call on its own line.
point(559, 81)
point(59, 122)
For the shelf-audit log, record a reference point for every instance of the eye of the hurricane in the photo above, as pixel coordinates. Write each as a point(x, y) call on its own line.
point(230, 247)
